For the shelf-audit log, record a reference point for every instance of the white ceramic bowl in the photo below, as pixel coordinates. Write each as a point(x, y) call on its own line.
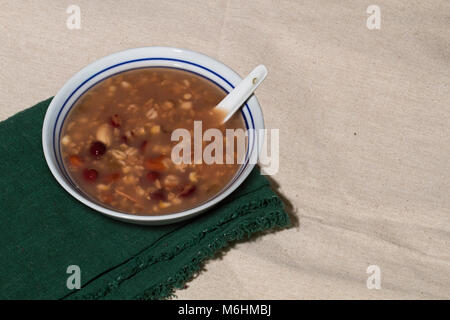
point(183, 59)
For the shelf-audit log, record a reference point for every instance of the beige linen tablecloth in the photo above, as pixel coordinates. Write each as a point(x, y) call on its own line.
point(364, 119)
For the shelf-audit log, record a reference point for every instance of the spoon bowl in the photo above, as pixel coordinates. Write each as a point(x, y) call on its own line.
point(236, 98)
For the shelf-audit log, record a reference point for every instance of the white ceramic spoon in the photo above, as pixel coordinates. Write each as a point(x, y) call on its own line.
point(236, 98)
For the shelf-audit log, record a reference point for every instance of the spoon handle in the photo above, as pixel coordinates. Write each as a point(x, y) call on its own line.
point(236, 98)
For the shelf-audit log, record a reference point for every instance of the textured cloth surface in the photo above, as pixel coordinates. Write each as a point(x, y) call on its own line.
point(44, 230)
point(363, 118)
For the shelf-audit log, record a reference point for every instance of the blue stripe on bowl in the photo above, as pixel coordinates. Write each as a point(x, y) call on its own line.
point(57, 145)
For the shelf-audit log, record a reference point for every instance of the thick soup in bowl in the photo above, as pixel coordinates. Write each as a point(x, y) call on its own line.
point(117, 141)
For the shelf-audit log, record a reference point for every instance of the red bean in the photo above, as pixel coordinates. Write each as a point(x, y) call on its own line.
point(90, 174)
point(98, 149)
point(115, 121)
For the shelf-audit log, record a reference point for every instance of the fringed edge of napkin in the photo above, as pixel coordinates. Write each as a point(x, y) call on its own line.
point(276, 218)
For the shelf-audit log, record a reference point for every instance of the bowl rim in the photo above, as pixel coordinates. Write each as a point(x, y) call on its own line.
point(231, 77)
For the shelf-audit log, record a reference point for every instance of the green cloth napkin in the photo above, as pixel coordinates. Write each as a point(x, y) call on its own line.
point(43, 230)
